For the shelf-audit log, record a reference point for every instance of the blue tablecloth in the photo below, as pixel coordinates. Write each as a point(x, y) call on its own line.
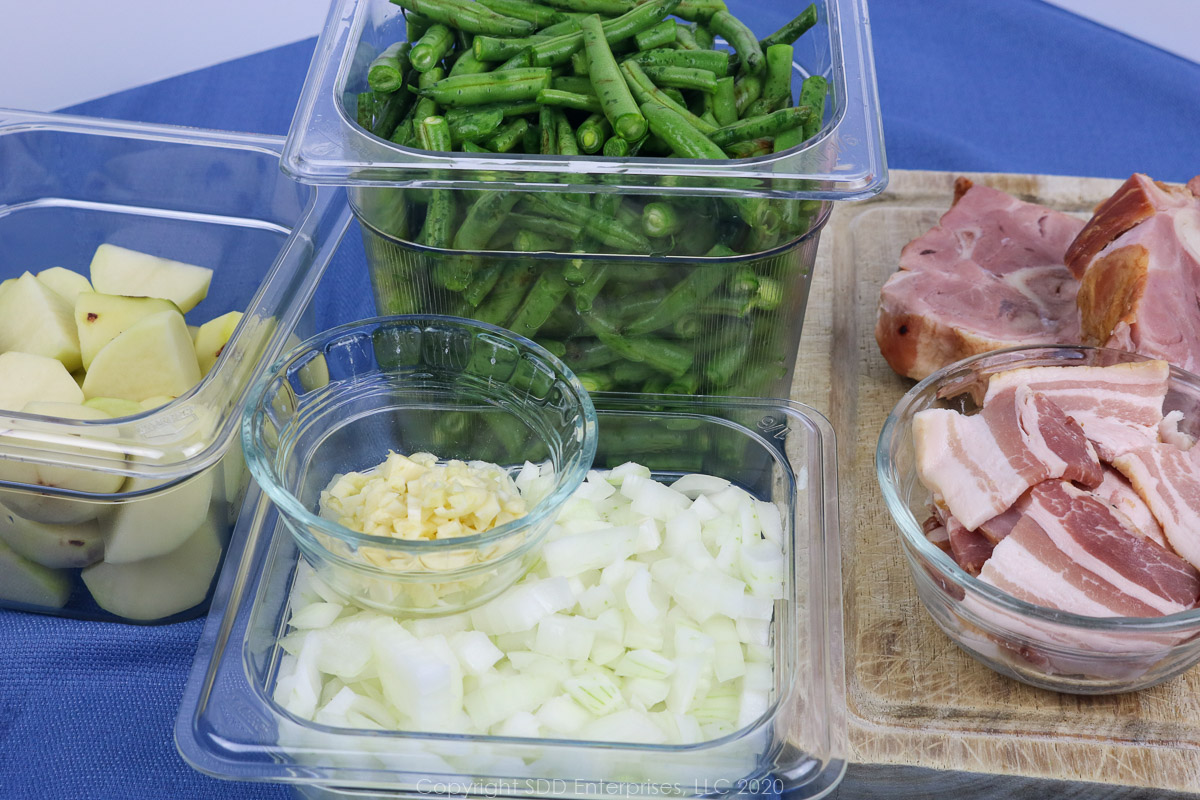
point(86, 710)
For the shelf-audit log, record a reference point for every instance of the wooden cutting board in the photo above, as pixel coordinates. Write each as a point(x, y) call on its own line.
point(914, 698)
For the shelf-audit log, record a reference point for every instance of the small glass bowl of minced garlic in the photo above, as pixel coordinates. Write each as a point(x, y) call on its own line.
point(419, 461)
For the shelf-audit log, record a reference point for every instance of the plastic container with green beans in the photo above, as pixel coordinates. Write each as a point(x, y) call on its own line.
point(639, 184)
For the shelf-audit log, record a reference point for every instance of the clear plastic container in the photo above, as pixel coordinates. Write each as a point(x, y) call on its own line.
point(229, 726)
point(1043, 647)
point(156, 491)
point(741, 333)
point(441, 385)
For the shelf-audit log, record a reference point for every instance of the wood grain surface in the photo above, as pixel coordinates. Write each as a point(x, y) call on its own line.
point(914, 698)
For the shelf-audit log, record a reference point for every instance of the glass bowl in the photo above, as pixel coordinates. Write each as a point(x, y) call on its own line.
point(1039, 646)
point(458, 389)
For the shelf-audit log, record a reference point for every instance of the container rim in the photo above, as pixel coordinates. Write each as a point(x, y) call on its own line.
point(914, 537)
point(845, 161)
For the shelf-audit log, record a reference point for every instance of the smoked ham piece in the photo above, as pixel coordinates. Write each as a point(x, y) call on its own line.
point(1076, 553)
point(1138, 263)
point(981, 464)
point(990, 275)
point(1119, 407)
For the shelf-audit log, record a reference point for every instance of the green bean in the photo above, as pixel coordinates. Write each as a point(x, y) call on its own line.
point(593, 132)
point(698, 10)
point(484, 218)
point(519, 61)
point(685, 384)
point(404, 132)
point(682, 78)
point(432, 47)
point(581, 102)
point(777, 86)
point(550, 226)
point(508, 293)
point(618, 104)
point(390, 112)
point(515, 109)
point(491, 48)
point(468, 17)
point(637, 372)
point(468, 64)
point(660, 35)
point(583, 354)
point(475, 126)
point(751, 148)
point(368, 102)
point(758, 127)
point(644, 90)
point(553, 346)
point(792, 30)
point(415, 26)
point(547, 132)
point(506, 138)
point(660, 219)
point(746, 90)
point(704, 38)
point(616, 147)
point(386, 73)
point(482, 283)
point(723, 364)
point(585, 293)
point(812, 94)
point(527, 241)
point(685, 296)
point(788, 139)
point(724, 107)
point(579, 84)
point(567, 145)
point(665, 356)
point(686, 37)
point(539, 15)
point(489, 87)
point(559, 49)
point(579, 65)
point(595, 381)
point(740, 38)
point(714, 61)
point(609, 8)
point(569, 25)
point(606, 230)
point(683, 139)
point(547, 292)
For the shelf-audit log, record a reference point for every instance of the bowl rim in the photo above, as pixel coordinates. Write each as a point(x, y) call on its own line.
point(566, 479)
point(914, 538)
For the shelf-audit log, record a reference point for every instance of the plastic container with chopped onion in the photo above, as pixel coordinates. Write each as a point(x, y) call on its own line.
point(679, 633)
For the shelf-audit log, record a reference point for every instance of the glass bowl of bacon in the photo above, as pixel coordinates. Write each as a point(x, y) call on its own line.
point(1048, 500)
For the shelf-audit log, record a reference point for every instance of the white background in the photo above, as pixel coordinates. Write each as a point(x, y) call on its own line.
point(55, 53)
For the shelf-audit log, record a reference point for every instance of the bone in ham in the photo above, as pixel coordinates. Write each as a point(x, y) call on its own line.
point(1118, 493)
point(1073, 552)
point(1168, 479)
point(989, 275)
point(981, 464)
point(1138, 263)
point(1119, 407)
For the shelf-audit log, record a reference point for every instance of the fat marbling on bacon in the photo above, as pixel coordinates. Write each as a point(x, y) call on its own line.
point(981, 464)
point(991, 274)
point(1168, 479)
point(1138, 263)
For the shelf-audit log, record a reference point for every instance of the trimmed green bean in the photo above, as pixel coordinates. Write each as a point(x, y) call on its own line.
point(714, 61)
point(682, 78)
point(550, 226)
point(368, 102)
point(475, 126)
point(547, 132)
point(415, 25)
point(390, 112)
point(724, 106)
point(593, 132)
point(532, 242)
point(482, 283)
point(758, 127)
point(505, 139)
point(665, 356)
point(606, 230)
point(683, 139)
point(686, 295)
point(547, 292)
point(609, 8)
point(704, 38)
point(387, 72)
point(686, 38)
point(468, 64)
point(492, 48)
point(539, 15)
point(559, 49)
point(583, 354)
point(740, 38)
point(507, 295)
point(660, 35)
point(579, 65)
point(661, 219)
point(595, 381)
point(484, 218)
point(489, 87)
point(616, 147)
point(777, 86)
point(567, 146)
point(793, 30)
point(746, 90)
point(469, 17)
point(698, 10)
point(615, 99)
point(644, 90)
point(581, 102)
point(432, 47)
point(751, 148)
point(553, 346)
point(812, 94)
point(579, 84)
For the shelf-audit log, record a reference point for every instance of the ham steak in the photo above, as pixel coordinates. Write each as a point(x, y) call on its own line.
point(991, 274)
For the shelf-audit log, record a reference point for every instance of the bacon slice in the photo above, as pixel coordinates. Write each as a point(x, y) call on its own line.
point(969, 549)
point(1117, 492)
point(1002, 524)
point(1119, 407)
point(989, 275)
point(1168, 479)
point(981, 464)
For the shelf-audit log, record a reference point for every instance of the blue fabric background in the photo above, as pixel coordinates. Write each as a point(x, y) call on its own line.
point(86, 710)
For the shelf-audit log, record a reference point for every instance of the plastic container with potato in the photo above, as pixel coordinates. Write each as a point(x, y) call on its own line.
point(146, 274)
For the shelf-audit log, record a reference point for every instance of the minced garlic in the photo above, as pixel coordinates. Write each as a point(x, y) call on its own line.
point(418, 498)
